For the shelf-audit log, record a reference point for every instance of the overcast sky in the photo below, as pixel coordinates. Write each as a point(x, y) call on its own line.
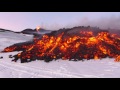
point(18, 21)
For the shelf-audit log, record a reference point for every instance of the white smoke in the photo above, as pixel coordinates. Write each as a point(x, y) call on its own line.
point(112, 22)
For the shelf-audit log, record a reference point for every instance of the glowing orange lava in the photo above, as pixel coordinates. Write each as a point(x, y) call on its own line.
point(78, 47)
point(38, 28)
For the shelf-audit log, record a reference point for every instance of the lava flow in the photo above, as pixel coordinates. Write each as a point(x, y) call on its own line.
point(65, 46)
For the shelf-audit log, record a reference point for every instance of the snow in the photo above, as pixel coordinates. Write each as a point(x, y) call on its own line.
point(105, 68)
point(10, 38)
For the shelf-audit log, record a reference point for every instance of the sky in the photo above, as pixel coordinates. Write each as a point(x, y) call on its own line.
point(18, 21)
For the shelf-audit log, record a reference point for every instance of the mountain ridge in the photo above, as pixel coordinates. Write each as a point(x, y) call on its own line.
point(30, 31)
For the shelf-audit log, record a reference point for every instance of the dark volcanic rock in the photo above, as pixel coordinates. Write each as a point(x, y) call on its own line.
point(34, 31)
point(28, 31)
point(84, 45)
point(1, 57)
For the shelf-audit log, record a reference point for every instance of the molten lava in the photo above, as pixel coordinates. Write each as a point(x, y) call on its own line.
point(118, 59)
point(38, 28)
point(84, 45)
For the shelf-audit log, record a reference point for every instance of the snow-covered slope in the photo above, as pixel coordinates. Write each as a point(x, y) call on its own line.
point(105, 68)
point(8, 38)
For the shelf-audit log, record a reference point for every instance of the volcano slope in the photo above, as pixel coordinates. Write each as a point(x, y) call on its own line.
point(78, 43)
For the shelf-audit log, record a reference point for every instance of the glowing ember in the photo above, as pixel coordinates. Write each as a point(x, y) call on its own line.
point(38, 28)
point(84, 45)
point(117, 59)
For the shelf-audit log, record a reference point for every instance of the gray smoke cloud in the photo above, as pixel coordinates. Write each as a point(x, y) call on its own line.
point(112, 22)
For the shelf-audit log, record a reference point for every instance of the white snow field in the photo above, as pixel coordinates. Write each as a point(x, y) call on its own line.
point(105, 68)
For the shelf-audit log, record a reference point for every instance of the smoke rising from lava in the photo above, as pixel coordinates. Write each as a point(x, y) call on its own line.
point(112, 22)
